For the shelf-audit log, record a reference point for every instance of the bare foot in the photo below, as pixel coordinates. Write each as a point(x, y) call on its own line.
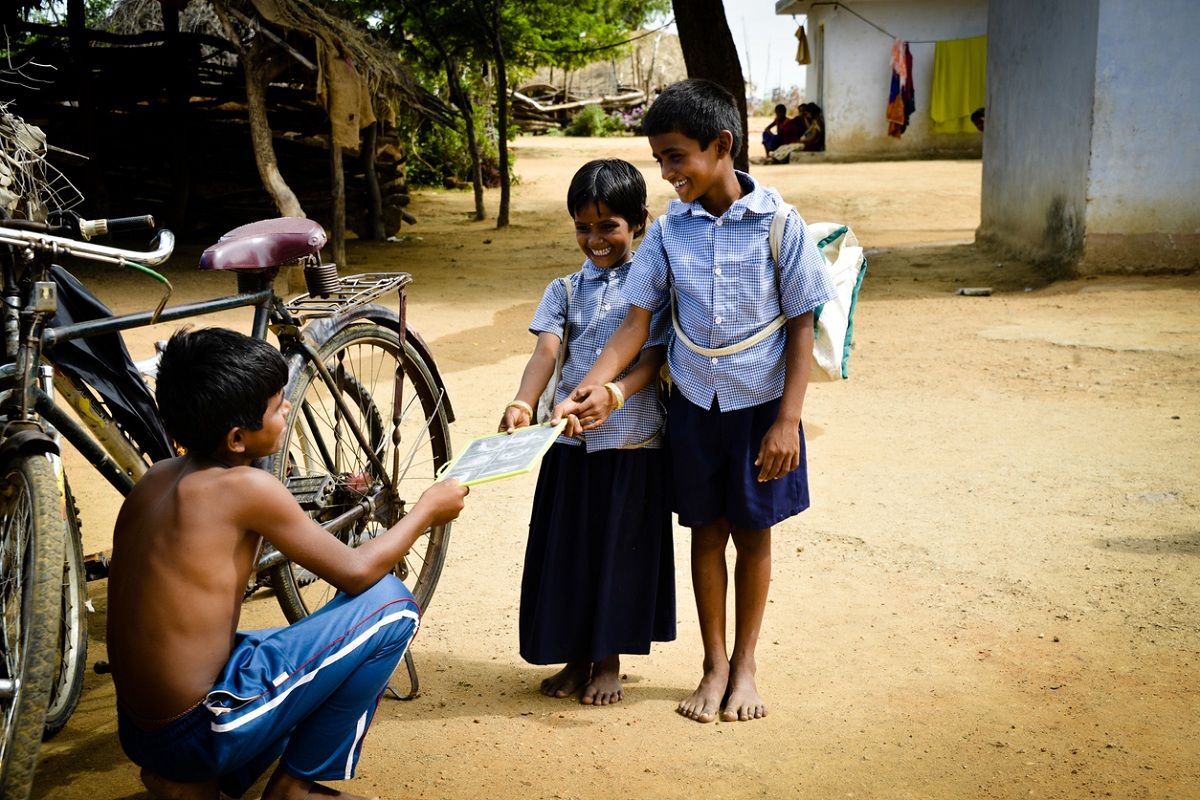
point(163, 789)
point(743, 702)
point(285, 786)
point(704, 704)
point(605, 686)
point(567, 681)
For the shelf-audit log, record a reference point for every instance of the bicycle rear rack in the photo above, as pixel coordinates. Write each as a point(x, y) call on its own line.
point(350, 292)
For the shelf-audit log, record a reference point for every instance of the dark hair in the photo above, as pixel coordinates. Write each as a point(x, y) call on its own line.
point(698, 109)
point(213, 380)
point(616, 183)
point(780, 108)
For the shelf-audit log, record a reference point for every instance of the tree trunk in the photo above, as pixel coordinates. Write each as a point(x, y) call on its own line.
point(464, 104)
point(337, 191)
point(254, 65)
point(709, 52)
point(492, 23)
point(374, 194)
point(260, 133)
point(462, 101)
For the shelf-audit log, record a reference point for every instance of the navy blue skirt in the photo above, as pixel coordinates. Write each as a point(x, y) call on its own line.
point(599, 574)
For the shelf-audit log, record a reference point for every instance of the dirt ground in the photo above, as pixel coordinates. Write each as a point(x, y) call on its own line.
point(994, 594)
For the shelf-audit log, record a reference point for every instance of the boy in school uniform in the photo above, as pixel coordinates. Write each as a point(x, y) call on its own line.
point(734, 420)
point(202, 707)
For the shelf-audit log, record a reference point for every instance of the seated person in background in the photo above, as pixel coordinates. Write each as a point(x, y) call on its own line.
point(780, 124)
point(202, 707)
point(813, 137)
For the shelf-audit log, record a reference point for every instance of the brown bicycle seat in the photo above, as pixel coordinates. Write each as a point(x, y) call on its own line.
point(269, 243)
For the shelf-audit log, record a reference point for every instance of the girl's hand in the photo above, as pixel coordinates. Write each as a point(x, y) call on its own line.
point(514, 417)
point(567, 410)
point(593, 406)
point(779, 452)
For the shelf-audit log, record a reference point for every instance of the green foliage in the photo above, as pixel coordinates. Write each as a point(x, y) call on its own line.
point(593, 121)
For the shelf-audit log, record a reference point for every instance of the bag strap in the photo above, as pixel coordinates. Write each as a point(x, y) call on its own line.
point(562, 346)
point(775, 240)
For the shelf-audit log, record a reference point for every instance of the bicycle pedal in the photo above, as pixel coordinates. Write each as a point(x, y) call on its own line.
point(312, 492)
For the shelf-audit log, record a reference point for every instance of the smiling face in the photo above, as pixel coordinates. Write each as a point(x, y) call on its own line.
point(604, 237)
point(698, 174)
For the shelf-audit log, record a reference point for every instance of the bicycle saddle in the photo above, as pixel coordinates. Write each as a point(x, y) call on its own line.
point(269, 243)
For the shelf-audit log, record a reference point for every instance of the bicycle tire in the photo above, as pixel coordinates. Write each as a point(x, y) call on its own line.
point(363, 359)
point(31, 538)
point(67, 683)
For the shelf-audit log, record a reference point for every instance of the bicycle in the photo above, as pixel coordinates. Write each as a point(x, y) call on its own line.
point(356, 445)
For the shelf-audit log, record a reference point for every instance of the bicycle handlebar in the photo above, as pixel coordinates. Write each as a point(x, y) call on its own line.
point(91, 228)
point(164, 244)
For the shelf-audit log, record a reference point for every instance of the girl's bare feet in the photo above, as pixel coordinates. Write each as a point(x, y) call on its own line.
point(743, 702)
point(704, 704)
point(163, 789)
point(605, 686)
point(567, 681)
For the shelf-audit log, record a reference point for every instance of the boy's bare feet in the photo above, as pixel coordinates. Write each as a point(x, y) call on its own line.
point(285, 786)
point(163, 789)
point(567, 681)
point(704, 704)
point(605, 686)
point(743, 702)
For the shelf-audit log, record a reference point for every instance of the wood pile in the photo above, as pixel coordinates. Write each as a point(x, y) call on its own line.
point(539, 107)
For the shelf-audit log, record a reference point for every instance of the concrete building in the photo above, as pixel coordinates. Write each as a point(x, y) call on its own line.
point(850, 73)
point(1091, 155)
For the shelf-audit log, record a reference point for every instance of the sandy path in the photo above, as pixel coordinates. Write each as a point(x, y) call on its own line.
point(994, 594)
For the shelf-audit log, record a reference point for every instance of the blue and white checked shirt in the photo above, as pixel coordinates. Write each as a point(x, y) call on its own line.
point(726, 291)
point(597, 307)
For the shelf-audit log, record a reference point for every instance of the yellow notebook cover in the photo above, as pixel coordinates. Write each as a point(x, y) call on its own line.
point(502, 455)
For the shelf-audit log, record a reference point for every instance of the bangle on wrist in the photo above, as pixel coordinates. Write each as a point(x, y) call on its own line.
point(522, 406)
point(615, 396)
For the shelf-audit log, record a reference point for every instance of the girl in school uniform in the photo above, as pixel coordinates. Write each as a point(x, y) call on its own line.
point(599, 578)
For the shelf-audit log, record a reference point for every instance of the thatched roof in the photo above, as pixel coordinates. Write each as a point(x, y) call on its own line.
point(389, 83)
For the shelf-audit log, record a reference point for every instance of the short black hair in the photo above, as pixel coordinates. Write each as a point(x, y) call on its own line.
point(213, 380)
point(616, 183)
point(780, 108)
point(698, 109)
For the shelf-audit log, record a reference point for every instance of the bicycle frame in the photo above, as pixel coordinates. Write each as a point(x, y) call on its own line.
point(98, 438)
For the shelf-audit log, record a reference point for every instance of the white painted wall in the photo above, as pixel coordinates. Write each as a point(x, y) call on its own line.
point(1041, 75)
point(852, 83)
point(1145, 167)
point(1092, 150)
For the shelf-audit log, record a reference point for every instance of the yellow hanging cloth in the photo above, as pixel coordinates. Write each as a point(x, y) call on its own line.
point(802, 54)
point(959, 83)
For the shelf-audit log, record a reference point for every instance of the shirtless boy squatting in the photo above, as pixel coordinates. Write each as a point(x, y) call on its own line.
point(203, 708)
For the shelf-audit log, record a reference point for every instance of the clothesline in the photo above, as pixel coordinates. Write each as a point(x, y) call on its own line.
point(872, 24)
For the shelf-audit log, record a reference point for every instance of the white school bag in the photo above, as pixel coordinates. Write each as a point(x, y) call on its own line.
point(545, 404)
point(833, 321)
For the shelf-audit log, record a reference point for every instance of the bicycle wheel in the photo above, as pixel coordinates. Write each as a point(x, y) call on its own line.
point(363, 360)
point(67, 683)
point(31, 563)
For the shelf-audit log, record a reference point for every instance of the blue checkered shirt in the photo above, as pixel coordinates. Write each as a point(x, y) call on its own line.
point(597, 307)
point(726, 290)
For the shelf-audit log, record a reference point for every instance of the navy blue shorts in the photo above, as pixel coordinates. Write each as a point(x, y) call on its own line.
point(714, 476)
point(304, 694)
